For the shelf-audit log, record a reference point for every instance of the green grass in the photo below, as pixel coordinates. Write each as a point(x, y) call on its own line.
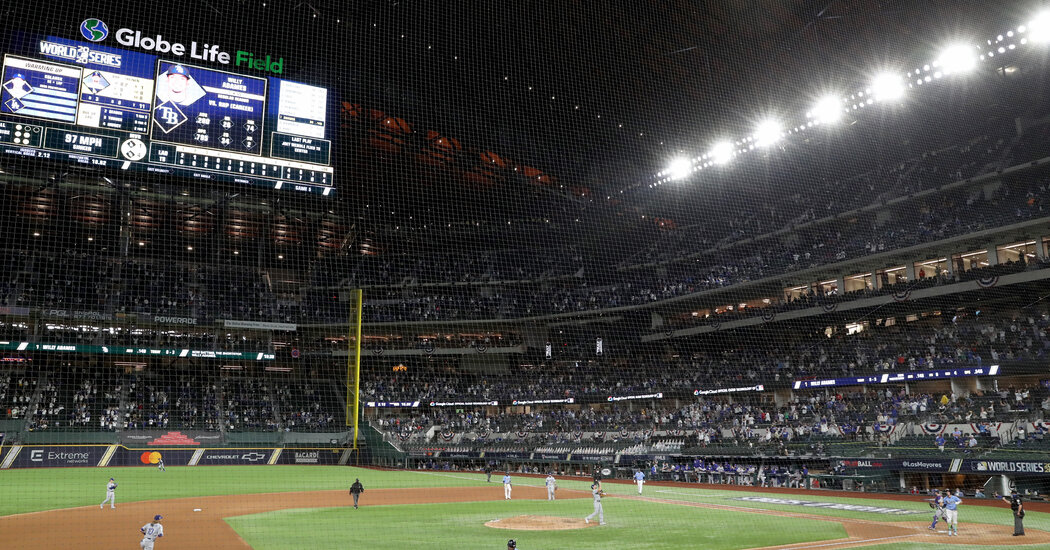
point(635, 524)
point(31, 490)
point(631, 524)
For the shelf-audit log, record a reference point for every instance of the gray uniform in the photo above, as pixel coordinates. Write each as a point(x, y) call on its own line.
point(596, 490)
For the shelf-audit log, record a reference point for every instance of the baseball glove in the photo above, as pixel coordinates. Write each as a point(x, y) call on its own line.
point(931, 505)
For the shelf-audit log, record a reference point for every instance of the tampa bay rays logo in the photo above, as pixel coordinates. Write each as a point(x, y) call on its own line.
point(94, 30)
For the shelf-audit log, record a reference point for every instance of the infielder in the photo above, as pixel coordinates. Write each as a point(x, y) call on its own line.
point(639, 478)
point(506, 486)
point(596, 490)
point(111, 495)
point(952, 514)
point(151, 532)
point(552, 485)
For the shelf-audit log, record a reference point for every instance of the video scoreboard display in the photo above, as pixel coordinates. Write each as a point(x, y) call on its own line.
point(92, 104)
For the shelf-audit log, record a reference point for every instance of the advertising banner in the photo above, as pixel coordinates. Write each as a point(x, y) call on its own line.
point(151, 457)
point(1008, 467)
point(56, 456)
point(309, 456)
point(258, 325)
point(161, 438)
point(212, 457)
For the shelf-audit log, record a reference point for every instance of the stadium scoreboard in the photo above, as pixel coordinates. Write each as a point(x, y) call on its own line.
point(88, 103)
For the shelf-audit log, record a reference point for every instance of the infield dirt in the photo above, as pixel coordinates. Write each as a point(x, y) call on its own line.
point(88, 528)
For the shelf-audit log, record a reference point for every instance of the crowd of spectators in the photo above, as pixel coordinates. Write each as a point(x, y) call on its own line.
point(805, 424)
point(741, 357)
point(102, 399)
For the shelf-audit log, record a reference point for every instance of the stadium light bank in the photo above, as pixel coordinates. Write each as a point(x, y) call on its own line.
point(885, 87)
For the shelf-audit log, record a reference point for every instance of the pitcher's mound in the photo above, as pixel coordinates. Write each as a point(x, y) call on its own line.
point(539, 523)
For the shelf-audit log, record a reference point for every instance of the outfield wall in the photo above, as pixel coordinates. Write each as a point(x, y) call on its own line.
point(65, 456)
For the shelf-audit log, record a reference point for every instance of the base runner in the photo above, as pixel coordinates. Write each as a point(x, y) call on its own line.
point(151, 532)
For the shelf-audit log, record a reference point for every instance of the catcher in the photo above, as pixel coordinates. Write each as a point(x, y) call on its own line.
point(937, 504)
point(596, 490)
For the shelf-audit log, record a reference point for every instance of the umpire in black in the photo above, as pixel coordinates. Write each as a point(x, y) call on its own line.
point(355, 490)
point(1018, 509)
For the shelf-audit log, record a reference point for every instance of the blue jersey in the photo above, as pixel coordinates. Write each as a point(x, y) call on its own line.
point(506, 480)
point(951, 502)
point(639, 476)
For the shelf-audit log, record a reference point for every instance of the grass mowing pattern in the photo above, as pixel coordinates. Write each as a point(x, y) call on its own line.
point(631, 524)
point(32, 490)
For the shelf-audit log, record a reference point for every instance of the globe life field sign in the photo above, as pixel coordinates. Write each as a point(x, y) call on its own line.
point(128, 99)
point(203, 51)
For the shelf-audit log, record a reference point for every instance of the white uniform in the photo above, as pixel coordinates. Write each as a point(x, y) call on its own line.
point(596, 490)
point(111, 494)
point(160, 465)
point(506, 487)
point(639, 478)
point(150, 533)
point(551, 485)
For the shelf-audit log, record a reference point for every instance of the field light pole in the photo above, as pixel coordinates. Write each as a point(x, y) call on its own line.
point(353, 362)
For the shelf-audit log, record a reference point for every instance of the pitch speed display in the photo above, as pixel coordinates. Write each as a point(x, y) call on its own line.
point(89, 103)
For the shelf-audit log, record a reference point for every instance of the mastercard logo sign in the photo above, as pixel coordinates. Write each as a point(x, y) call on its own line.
point(150, 457)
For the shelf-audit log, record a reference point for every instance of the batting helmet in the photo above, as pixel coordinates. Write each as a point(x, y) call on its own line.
point(512, 543)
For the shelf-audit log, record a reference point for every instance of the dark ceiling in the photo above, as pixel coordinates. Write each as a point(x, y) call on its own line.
point(599, 93)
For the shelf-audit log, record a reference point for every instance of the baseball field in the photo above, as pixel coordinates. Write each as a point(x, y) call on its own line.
point(291, 507)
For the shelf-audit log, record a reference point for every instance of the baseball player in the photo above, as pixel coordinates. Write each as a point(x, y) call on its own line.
point(160, 464)
point(552, 486)
point(355, 490)
point(639, 478)
point(151, 532)
point(177, 79)
point(596, 491)
point(512, 544)
point(938, 510)
point(506, 486)
point(951, 502)
point(111, 494)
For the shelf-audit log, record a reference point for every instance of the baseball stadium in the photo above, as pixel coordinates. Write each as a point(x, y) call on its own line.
point(534, 274)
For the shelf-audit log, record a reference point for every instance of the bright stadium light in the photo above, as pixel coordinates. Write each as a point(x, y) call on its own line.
point(1039, 28)
point(679, 169)
point(828, 110)
point(887, 87)
point(957, 58)
point(721, 153)
point(768, 132)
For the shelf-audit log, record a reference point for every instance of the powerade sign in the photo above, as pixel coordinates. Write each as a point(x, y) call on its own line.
point(96, 30)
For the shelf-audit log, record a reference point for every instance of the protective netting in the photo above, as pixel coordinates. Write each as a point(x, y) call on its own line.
point(714, 243)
